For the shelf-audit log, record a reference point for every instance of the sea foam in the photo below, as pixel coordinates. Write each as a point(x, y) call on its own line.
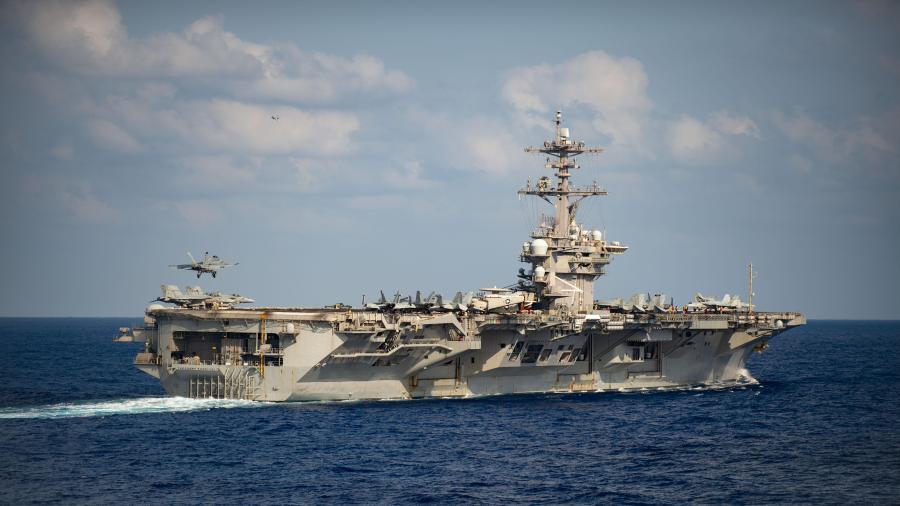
point(122, 407)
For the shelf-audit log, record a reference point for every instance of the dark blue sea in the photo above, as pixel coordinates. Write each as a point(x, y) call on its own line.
point(79, 424)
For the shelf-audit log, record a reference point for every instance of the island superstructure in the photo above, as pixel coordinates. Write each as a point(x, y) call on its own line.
point(545, 333)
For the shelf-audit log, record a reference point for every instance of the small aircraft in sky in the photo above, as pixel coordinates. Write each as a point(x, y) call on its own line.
point(210, 264)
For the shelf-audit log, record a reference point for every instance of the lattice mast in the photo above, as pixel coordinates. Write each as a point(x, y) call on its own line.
point(564, 150)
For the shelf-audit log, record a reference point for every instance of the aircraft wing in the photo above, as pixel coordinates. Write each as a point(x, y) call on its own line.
point(181, 266)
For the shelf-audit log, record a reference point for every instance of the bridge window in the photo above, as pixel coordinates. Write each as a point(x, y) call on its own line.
point(516, 350)
point(532, 353)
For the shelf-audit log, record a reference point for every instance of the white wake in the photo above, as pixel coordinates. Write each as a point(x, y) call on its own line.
point(122, 407)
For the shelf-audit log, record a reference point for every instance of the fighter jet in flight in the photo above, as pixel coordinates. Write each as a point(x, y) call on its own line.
point(210, 264)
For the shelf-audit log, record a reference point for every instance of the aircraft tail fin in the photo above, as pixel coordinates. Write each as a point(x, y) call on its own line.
point(171, 292)
point(195, 291)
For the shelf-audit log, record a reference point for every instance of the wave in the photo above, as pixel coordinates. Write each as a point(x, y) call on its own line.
point(122, 407)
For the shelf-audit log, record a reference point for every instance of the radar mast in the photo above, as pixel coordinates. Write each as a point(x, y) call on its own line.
point(565, 258)
point(564, 149)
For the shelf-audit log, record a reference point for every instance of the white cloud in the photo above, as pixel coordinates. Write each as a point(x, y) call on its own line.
point(109, 135)
point(87, 207)
point(301, 76)
point(306, 172)
point(154, 91)
point(734, 125)
point(77, 198)
point(615, 89)
point(865, 138)
point(377, 202)
point(490, 148)
point(88, 37)
point(409, 175)
point(693, 140)
point(222, 125)
point(199, 213)
point(218, 171)
point(702, 142)
point(595, 78)
point(802, 129)
point(479, 144)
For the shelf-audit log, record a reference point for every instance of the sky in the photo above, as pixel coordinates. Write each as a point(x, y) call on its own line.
point(734, 132)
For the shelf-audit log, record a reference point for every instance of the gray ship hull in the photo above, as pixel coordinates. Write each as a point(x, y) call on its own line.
point(362, 355)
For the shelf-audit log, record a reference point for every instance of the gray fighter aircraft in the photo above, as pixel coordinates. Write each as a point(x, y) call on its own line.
point(639, 303)
point(195, 297)
point(703, 303)
point(210, 264)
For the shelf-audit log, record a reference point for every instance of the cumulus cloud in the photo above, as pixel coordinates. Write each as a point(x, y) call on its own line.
point(480, 144)
point(221, 125)
point(802, 129)
point(305, 172)
point(199, 213)
point(89, 37)
point(866, 138)
point(615, 90)
point(695, 141)
point(490, 148)
point(78, 198)
point(109, 135)
point(408, 175)
point(691, 139)
point(734, 125)
point(218, 171)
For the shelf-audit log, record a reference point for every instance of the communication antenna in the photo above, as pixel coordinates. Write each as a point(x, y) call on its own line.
point(561, 157)
point(750, 274)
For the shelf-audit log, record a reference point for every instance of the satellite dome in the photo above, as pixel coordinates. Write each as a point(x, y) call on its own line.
point(539, 247)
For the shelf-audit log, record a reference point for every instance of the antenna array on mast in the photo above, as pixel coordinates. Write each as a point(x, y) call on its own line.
point(564, 149)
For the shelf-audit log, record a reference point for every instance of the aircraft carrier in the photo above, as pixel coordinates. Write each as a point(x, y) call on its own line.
point(545, 333)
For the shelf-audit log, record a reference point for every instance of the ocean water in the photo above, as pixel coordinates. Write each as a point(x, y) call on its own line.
point(78, 424)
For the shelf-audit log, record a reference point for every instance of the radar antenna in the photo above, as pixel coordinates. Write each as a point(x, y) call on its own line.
point(564, 149)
